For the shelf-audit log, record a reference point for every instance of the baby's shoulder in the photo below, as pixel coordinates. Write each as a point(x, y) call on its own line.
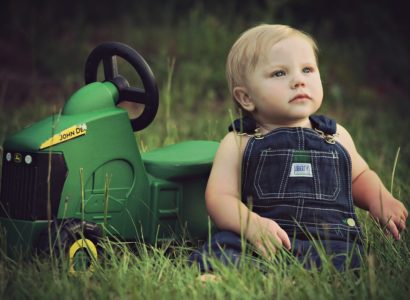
point(234, 142)
point(342, 133)
point(344, 138)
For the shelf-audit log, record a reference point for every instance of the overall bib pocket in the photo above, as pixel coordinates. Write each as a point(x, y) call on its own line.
point(297, 174)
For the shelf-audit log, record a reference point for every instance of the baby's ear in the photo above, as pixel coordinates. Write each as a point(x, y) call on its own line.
point(242, 97)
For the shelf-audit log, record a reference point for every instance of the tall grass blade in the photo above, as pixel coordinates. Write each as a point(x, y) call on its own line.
point(394, 170)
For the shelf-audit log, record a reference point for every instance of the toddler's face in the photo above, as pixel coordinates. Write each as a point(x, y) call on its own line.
point(285, 86)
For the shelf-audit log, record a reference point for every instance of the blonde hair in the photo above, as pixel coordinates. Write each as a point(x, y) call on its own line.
point(252, 45)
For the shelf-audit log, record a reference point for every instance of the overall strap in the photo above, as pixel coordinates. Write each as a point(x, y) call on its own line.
point(248, 124)
point(245, 125)
point(322, 123)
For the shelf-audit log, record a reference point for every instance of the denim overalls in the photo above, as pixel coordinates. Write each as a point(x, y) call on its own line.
point(300, 178)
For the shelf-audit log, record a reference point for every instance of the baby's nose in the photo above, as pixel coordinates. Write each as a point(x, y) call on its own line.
point(298, 81)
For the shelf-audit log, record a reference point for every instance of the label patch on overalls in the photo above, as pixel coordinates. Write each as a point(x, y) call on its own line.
point(301, 170)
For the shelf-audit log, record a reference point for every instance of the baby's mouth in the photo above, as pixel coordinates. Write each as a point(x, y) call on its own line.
point(300, 97)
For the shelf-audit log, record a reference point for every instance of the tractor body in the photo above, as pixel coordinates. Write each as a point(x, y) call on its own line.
point(85, 164)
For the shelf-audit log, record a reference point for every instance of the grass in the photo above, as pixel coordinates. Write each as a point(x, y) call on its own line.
point(157, 273)
point(188, 62)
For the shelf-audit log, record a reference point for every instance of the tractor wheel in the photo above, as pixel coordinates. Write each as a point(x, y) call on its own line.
point(75, 240)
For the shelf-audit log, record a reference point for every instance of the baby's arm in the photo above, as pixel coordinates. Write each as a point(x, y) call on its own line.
point(223, 199)
point(369, 192)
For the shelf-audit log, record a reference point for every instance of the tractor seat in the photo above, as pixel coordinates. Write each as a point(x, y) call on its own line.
point(184, 159)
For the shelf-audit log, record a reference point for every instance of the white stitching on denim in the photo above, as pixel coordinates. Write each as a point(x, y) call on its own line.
point(279, 195)
point(297, 132)
point(258, 172)
point(337, 173)
point(308, 131)
point(329, 226)
point(245, 163)
point(260, 167)
point(301, 210)
point(297, 208)
point(285, 175)
point(316, 178)
point(349, 172)
point(292, 222)
point(311, 208)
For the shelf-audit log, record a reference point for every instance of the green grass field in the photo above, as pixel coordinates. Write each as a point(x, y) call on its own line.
point(194, 104)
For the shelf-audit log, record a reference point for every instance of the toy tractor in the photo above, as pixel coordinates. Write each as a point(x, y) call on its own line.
point(78, 176)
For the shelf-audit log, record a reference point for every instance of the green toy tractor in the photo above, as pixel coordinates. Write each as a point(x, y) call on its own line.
point(70, 179)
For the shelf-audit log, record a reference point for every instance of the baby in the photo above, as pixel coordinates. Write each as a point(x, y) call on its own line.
point(282, 176)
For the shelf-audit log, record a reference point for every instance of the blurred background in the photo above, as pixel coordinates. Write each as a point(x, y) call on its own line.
point(44, 43)
point(364, 61)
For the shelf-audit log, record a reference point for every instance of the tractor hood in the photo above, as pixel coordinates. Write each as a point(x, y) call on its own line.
point(92, 102)
point(55, 130)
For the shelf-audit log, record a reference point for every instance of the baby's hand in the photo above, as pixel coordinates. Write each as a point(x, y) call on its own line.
point(391, 213)
point(267, 236)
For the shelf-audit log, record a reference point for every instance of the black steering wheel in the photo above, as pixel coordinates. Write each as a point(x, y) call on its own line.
point(148, 96)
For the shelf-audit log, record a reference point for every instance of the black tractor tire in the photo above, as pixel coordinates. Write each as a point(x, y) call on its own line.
point(73, 240)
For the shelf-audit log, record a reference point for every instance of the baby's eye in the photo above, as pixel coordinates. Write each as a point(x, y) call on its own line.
point(307, 70)
point(278, 73)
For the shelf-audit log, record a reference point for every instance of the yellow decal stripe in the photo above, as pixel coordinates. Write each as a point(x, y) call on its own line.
point(65, 135)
